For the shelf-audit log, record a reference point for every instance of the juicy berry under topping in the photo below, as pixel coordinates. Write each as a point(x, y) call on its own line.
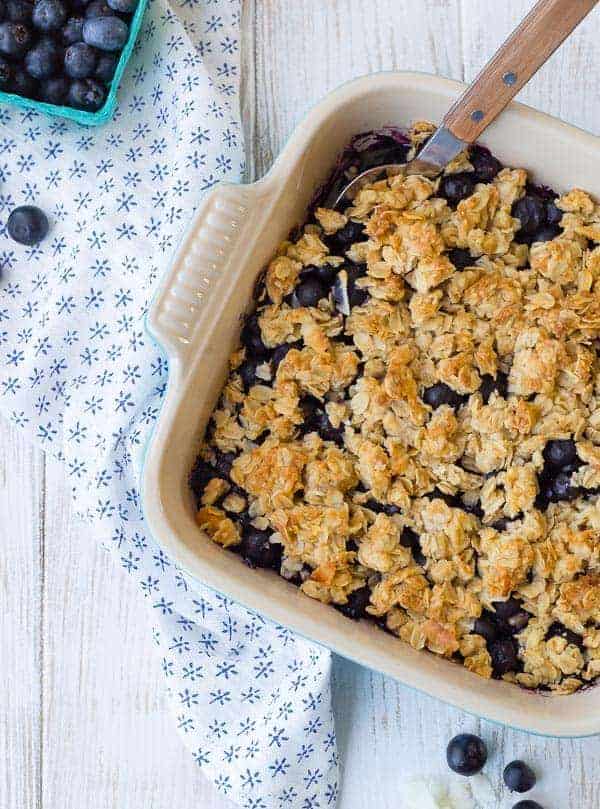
point(356, 606)
point(531, 212)
point(309, 293)
point(252, 339)
point(461, 258)
point(345, 237)
point(560, 452)
point(258, 551)
point(504, 654)
point(519, 777)
point(441, 394)
point(559, 630)
point(487, 628)
point(489, 384)
point(456, 187)
point(486, 166)
point(466, 754)
point(247, 371)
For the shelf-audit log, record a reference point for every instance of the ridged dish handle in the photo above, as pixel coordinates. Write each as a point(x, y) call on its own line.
point(181, 304)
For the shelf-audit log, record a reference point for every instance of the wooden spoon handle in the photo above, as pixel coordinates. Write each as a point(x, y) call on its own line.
point(546, 26)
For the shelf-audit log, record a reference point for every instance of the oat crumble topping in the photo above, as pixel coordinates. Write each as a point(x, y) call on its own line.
point(411, 428)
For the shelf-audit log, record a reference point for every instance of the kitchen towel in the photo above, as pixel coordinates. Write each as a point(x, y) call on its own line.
point(79, 372)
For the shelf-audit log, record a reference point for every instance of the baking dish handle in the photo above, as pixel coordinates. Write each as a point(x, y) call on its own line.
point(205, 254)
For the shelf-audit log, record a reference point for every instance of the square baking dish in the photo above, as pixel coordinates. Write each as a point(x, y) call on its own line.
point(197, 316)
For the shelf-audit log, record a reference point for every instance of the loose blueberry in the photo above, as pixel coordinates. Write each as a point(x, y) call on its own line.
point(504, 655)
point(27, 225)
point(546, 233)
point(519, 777)
point(486, 166)
point(123, 6)
point(487, 628)
point(86, 94)
point(466, 754)
point(461, 258)
point(107, 64)
point(308, 293)
point(441, 394)
point(527, 805)
point(43, 60)
point(80, 60)
point(98, 8)
point(531, 212)
point(106, 33)
point(15, 39)
point(356, 606)
point(258, 551)
point(456, 187)
point(251, 338)
point(54, 90)
point(49, 15)
point(72, 31)
point(5, 74)
point(489, 384)
point(553, 214)
point(560, 452)
point(19, 10)
point(23, 84)
point(247, 371)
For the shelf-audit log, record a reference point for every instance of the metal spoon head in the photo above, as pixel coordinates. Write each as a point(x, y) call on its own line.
point(433, 158)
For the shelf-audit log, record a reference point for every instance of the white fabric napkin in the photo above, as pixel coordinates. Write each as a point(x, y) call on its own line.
point(79, 372)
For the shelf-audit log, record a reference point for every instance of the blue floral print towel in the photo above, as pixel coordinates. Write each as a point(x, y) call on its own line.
point(79, 373)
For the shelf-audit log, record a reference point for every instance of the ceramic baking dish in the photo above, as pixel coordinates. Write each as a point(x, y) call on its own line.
point(196, 318)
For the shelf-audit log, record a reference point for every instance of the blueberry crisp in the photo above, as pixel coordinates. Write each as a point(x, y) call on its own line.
point(411, 427)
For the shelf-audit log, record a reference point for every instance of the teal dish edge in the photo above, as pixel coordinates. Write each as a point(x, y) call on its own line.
point(83, 117)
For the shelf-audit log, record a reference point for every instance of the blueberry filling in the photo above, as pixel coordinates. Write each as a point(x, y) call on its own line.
point(485, 165)
point(560, 453)
point(410, 539)
point(442, 394)
point(309, 293)
point(456, 187)
point(252, 340)
point(258, 551)
point(558, 630)
point(356, 606)
point(461, 258)
point(489, 384)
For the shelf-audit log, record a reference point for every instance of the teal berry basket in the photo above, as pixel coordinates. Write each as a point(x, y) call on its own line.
point(105, 113)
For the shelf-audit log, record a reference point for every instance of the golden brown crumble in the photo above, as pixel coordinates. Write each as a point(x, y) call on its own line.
point(429, 508)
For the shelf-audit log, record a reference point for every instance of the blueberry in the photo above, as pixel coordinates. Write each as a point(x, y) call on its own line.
point(49, 15)
point(560, 452)
point(489, 384)
point(86, 94)
point(519, 777)
point(325, 274)
point(531, 213)
point(98, 8)
point(392, 154)
point(247, 371)
point(561, 488)
point(383, 508)
point(251, 338)
point(506, 609)
point(440, 394)
point(19, 10)
point(486, 166)
point(466, 754)
point(43, 60)
point(200, 475)
point(23, 84)
point(461, 258)
point(124, 6)
point(27, 225)
point(518, 621)
point(308, 293)
point(281, 352)
point(546, 233)
point(107, 64)
point(223, 463)
point(345, 237)
point(105, 33)
point(315, 419)
point(559, 630)
point(553, 214)
point(357, 603)
point(54, 90)
point(527, 805)
point(487, 628)
point(410, 539)
point(15, 39)
point(455, 187)
point(504, 654)
point(72, 30)
point(5, 74)
point(80, 60)
point(258, 551)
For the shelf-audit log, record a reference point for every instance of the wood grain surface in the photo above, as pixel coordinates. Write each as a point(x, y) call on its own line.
point(83, 722)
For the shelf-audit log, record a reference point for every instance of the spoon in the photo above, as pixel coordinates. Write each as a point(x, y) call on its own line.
point(530, 45)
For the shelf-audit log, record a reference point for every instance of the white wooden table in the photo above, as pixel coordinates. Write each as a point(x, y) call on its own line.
point(82, 721)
